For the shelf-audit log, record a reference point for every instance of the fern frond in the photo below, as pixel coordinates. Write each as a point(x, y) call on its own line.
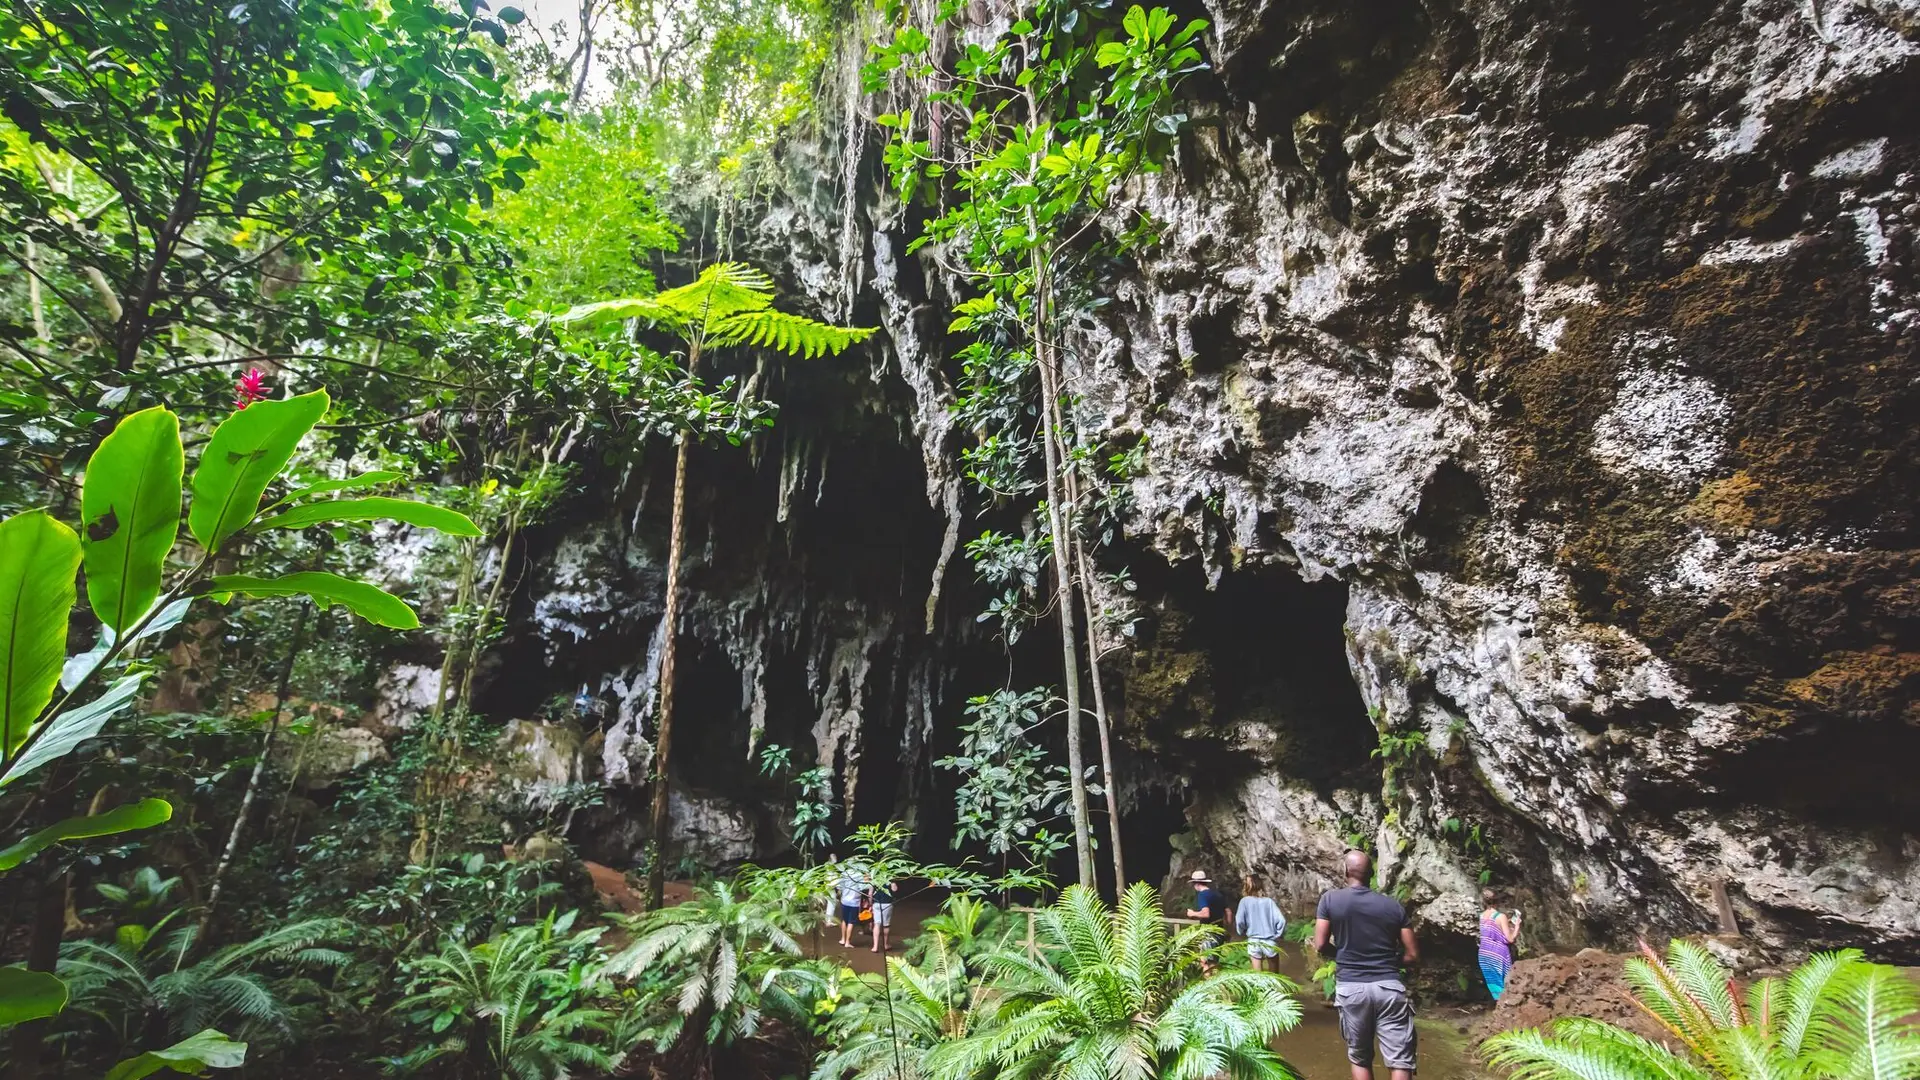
point(1867, 1030)
point(646, 308)
point(794, 335)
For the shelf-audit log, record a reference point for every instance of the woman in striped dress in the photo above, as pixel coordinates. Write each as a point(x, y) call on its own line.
point(1497, 935)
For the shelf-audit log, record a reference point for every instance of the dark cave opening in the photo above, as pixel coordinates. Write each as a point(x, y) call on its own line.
point(1252, 673)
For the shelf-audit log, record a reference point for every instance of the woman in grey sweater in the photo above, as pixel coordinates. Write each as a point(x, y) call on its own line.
point(1259, 921)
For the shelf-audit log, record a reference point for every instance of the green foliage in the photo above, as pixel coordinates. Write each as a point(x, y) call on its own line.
point(464, 899)
point(812, 823)
point(966, 927)
point(28, 995)
point(193, 1055)
point(586, 223)
point(144, 814)
point(713, 948)
point(728, 304)
point(131, 507)
point(38, 560)
point(126, 986)
point(1008, 792)
point(1115, 992)
point(521, 1006)
point(1835, 1016)
point(887, 1027)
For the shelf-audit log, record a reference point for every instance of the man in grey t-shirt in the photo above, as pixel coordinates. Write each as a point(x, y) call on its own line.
point(1372, 940)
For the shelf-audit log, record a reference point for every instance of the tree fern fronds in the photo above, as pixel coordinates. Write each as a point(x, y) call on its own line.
point(1707, 982)
point(794, 335)
point(1531, 1055)
point(1868, 1030)
point(1806, 992)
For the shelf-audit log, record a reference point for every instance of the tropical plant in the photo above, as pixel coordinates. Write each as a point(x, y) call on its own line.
point(714, 947)
point(130, 503)
point(1114, 993)
point(1836, 1016)
point(728, 304)
point(1007, 791)
point(522, 1006)
point(966, 927)
point(137, 983)
point(887, 1027)
point(1050, 118)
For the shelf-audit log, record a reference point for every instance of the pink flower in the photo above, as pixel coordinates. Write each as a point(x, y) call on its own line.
point(250, 388)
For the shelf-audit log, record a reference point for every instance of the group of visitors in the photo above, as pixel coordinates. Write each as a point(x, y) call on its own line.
point(862, 901)
point(1368, 936)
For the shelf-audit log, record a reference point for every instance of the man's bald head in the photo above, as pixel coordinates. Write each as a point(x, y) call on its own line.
point(1359, 866)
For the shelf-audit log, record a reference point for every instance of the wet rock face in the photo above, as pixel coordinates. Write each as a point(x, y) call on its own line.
point(1578, 339)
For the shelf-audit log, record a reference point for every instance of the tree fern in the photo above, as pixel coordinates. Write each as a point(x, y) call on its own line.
point(728, 304)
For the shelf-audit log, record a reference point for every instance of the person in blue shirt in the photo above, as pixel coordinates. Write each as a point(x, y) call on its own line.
point(1208, 905)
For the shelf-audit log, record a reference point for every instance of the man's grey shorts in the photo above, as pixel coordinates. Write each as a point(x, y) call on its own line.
point(1382, 1009)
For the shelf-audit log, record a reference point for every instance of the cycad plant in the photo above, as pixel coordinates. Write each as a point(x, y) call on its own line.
point(885, 1029)
point(728, 304)
point(139, 990)
point(520, 1006)
point(1836, 1016)
point(714, 950)
point(1116, 994)
point(965, 926)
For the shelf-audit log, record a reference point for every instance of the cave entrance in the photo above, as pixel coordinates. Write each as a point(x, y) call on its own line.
point(1248, 676)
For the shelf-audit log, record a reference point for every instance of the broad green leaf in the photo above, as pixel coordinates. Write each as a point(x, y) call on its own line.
point(194, 1055)
point(130, 503)
point(247, 451)
point(38, 560)
point(374, 508)
point(29, 995)
point(371, 603)
point(144, 814)
point(351, 483)
point(72, 727)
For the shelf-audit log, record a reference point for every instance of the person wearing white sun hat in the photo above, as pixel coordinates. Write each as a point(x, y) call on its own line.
point(1208, 905)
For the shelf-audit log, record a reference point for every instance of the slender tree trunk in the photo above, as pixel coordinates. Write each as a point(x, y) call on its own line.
point(43, 954)
point(1063, 573)
point(663, 741)
point(259, 770)
point(1100, 719)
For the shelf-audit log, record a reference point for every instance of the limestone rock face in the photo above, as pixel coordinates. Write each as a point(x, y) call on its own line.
point(1524, 396)
point(1574, 339)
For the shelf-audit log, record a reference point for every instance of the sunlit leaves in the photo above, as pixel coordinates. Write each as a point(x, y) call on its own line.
point(38, 560)
point(247, 451)
point(130, 506)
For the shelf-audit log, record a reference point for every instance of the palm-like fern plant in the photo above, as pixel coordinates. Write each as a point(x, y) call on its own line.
point(137, 982)
point(887, 1027)
point(1113, 994)
point(964, 926)
point(514, 1005)
point(728, 304)
point(714, 947)
point(1836, 1016)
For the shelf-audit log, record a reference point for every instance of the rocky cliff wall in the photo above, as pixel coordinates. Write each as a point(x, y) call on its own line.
point(1526, 390)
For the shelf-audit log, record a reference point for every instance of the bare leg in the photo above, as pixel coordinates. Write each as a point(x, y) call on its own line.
point(1403, 1074)
point(1361, 1072)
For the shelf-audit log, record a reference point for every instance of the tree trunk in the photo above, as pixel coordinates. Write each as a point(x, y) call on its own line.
point(1100, 719)
point(43, 954)
point(259, 770)
point(663, 741)
point(1063, 575)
